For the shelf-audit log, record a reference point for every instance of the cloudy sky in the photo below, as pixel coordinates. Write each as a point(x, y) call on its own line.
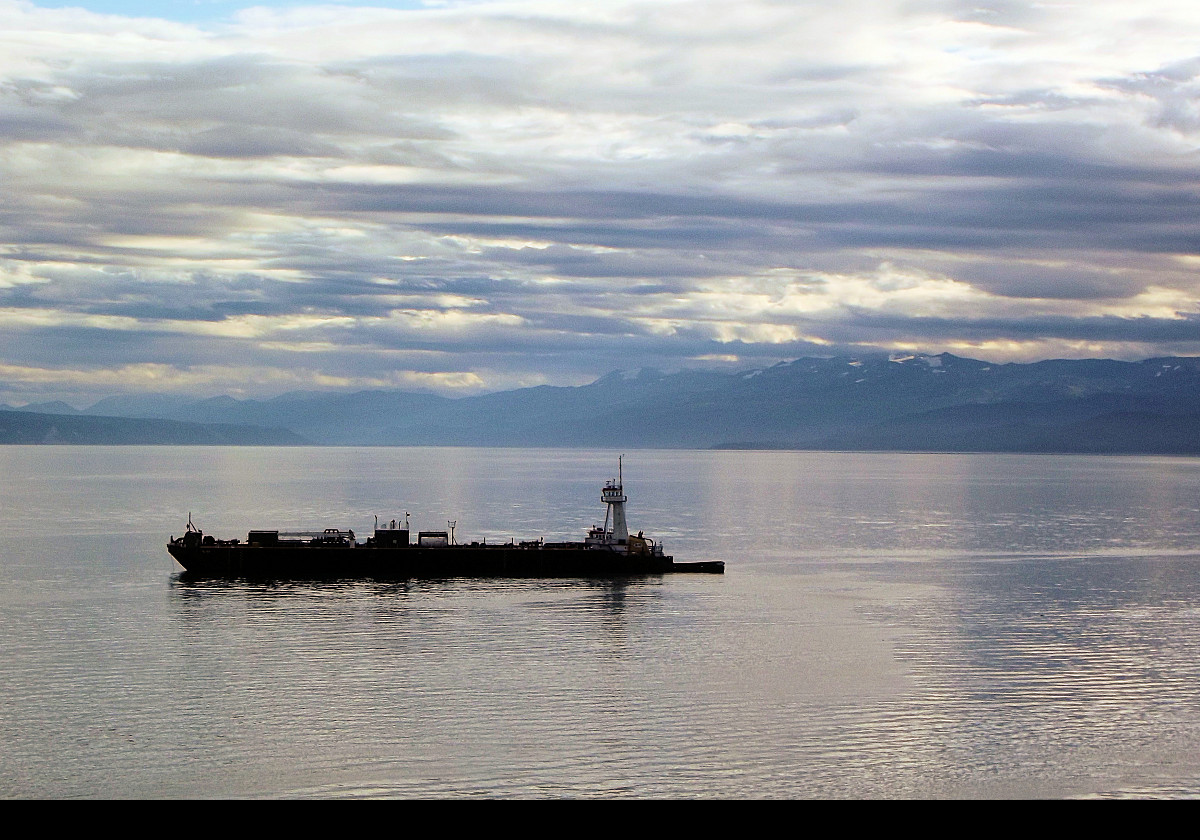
point(216, 198)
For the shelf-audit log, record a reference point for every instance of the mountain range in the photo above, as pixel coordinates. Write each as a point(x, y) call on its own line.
point(21, 426)
point(911, 403)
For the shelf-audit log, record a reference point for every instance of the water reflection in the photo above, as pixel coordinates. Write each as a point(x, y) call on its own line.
point(611, 591)
point(888, 626)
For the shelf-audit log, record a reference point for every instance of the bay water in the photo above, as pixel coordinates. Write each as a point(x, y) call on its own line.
point(889, 625)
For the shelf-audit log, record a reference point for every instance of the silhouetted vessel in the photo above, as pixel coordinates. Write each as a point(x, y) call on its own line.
point(608, 551)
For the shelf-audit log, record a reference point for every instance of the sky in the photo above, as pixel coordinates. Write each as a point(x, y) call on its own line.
point(460, 197)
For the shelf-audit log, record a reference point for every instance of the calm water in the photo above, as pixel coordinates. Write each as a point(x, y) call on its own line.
point(889, 626)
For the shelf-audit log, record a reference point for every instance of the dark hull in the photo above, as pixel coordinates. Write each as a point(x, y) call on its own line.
point(312, 561)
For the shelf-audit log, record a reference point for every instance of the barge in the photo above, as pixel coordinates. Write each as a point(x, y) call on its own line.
point(393, 552)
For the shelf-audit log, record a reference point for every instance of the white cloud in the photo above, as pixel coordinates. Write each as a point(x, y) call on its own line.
point(561, 184)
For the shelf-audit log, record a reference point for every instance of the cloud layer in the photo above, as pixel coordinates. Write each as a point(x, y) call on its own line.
point(505, 193)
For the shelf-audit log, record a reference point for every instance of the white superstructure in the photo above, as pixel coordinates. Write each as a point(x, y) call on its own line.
point(613, 495)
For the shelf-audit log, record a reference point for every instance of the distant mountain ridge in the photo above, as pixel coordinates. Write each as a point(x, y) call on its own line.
point(29, 427)
point(911, 403)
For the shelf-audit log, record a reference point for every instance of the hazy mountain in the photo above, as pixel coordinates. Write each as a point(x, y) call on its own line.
point(26, 427)
point(364, 417)
point(55, 407)
point(921, 403)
